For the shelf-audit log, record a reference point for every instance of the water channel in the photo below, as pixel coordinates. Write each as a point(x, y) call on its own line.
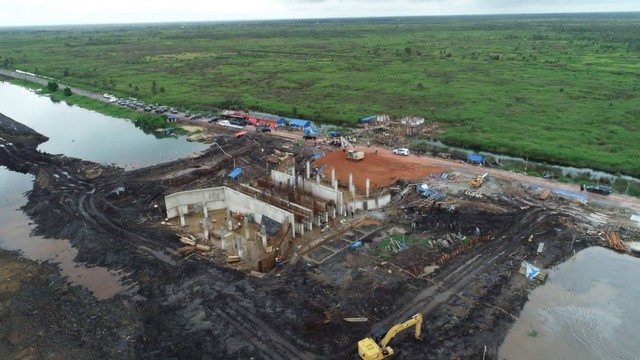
point(75, 132)
point(587, 310)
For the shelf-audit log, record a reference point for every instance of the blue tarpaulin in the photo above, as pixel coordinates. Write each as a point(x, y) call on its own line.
point(333, 133)
point(235, 173)
point(299, 123)
point(367, 119)
point(531, 271)
point(475, 158)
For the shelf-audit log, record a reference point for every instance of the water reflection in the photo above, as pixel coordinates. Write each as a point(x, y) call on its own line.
point(15, 235)
point(77, 132)
point(586, 310)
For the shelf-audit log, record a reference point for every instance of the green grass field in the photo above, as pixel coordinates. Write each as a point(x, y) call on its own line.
point(555, 88)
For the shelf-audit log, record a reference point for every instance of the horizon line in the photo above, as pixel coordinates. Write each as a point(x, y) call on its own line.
point(231, 21)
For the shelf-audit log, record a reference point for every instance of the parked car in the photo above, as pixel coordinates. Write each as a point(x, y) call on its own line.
point(226, 123)
point(263, 128)
point(310, 136)
point(214, 119)
point(598, 189)
point(239, 122)
point(401, 151)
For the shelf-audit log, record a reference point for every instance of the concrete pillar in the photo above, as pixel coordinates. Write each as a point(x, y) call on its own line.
point(335, 185)
point(333, 175)
point(241, 246)
point(228, 213)
point(247, 230)
point(350, 181)
point(263, 236)
point(230, 224)
point(183, 223)
point(318, 178)
point(367, 187)
point(308, 170)
point(205, 211)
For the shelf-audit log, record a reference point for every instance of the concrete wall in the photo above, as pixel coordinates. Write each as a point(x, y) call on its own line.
point(214, 198)
point(240, 202)
point(224, 198)
point(311, 186)
point(371, 203)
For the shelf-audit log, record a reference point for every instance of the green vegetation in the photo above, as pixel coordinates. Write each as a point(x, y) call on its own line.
point(388, 247)
point(552, 88)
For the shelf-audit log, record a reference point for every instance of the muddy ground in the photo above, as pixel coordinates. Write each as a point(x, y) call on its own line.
point(198, 308)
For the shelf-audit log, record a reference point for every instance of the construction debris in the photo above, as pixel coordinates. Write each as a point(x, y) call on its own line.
point(544, 195)
point(356, 319)
point(614, 241)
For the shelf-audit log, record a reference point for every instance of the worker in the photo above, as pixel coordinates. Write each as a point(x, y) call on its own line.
point(376, 151)
point(277, 262)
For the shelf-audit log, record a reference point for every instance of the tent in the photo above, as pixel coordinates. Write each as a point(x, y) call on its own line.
point(368, 119)
point(299, 123)
point(475, 158)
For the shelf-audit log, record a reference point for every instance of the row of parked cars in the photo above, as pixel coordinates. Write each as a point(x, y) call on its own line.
point(136, 104)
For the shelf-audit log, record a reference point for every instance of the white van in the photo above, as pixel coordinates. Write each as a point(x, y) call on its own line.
point(226, 123)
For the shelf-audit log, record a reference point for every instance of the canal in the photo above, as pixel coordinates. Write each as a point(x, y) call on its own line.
point(75, 132)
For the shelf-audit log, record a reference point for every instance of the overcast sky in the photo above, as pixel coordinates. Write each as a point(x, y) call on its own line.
point(57, 12)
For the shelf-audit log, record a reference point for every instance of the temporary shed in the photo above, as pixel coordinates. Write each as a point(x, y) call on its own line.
point(368, 119)
point(298, 123)
point(235, 173)
point(266, 119)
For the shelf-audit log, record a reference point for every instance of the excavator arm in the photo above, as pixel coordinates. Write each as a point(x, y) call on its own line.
point(374, 348)
point(415, 320)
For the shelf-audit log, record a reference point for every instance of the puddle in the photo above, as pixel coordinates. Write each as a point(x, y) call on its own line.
point(15, 235)
point(587, 310)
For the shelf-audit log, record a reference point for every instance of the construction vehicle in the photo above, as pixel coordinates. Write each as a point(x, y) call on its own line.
point(598, 189)
point(377, 346)
point(352, 154)
point(355, 155)
point(478, 181)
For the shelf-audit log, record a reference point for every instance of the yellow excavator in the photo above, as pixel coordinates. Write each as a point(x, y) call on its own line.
point(377, 346)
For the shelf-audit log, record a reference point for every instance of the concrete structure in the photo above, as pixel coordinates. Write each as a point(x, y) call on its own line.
point(314, 188)
point(412, 120)
point(182, 203)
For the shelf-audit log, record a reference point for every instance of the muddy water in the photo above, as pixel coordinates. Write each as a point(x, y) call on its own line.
point(75, 132)
point(587, 310)
point(15, 235)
